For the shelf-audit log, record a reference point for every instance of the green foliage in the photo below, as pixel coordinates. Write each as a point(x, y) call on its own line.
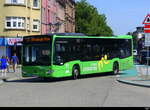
point(89, 21)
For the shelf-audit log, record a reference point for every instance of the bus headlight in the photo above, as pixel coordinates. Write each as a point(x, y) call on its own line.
point(49, 72)
point(24, 72)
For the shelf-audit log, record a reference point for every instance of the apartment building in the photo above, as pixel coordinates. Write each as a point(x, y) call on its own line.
point(31, 17)
point(60, 19)
point(58, 16)
point(18, 18)
point(48, 16)
point(70, 16)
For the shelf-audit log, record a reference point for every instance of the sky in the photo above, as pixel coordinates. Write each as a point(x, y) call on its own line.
point(123, 16)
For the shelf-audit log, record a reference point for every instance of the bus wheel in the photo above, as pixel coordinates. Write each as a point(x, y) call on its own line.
point(115, 68)
point(75, 72)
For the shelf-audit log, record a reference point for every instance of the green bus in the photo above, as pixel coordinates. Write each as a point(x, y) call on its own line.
point(73, 54)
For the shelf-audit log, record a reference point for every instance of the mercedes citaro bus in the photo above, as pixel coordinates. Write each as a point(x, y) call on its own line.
point(72, 54)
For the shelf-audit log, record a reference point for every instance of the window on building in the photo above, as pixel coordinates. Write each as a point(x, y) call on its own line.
point(35, 3)
point(15, 1)
point(8, 22)
point(36, 25)
point(28, 23)
point(15, 23)
point(28, 3)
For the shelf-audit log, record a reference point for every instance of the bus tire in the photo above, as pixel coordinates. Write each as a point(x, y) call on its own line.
point(75, 72)
point(115, 68)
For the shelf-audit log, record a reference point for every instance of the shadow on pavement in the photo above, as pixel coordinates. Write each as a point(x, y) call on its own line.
point(52, 80)
point(123, 73)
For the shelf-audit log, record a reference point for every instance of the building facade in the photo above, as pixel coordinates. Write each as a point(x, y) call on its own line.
point(70, 16)
point(60, 25)
point(58, 16)
point(32, 17)
point(20, 18)
point(48, 16)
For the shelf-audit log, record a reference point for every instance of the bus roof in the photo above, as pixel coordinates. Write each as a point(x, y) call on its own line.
point(81, 35)
point(86, 36)
point(114, 37)
point(72, 35)
point(66, 34)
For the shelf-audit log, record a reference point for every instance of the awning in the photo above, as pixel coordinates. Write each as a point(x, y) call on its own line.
point(13, 41)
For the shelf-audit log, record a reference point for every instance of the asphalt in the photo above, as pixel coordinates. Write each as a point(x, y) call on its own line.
point(11, 75)
point(139, 75)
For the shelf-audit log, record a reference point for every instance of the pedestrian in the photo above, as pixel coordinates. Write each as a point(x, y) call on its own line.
point(3, 61)
point(8, 63)
point(14, 62)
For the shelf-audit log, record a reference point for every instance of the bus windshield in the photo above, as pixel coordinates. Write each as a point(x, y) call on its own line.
point(37, 54)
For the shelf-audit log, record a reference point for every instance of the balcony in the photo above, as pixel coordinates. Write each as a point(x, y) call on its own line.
point(61, 2)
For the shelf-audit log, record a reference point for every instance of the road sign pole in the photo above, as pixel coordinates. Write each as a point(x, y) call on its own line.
point(147, 44)
point(147, 60)
point(146, 22)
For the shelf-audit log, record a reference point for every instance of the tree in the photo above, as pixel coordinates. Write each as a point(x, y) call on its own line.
point(89, 21)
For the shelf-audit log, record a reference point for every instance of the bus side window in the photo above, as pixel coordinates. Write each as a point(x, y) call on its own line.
point(125, 48)
point(58, 48)
point(95, 52)
point(122, 53)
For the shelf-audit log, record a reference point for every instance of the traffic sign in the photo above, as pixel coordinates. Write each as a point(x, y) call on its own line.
point(147, 19)
point(147, 36)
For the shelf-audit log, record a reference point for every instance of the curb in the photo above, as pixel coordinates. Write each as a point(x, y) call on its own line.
point(9, 79)
point(133, 83)
point(1, 81)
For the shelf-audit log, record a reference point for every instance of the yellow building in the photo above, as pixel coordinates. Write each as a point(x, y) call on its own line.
point(18, 18)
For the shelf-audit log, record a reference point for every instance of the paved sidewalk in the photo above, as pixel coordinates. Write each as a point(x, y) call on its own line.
point(136, 76)
point(11, 75)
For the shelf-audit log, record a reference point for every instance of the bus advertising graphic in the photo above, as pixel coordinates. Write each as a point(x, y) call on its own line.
point(102, 62)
